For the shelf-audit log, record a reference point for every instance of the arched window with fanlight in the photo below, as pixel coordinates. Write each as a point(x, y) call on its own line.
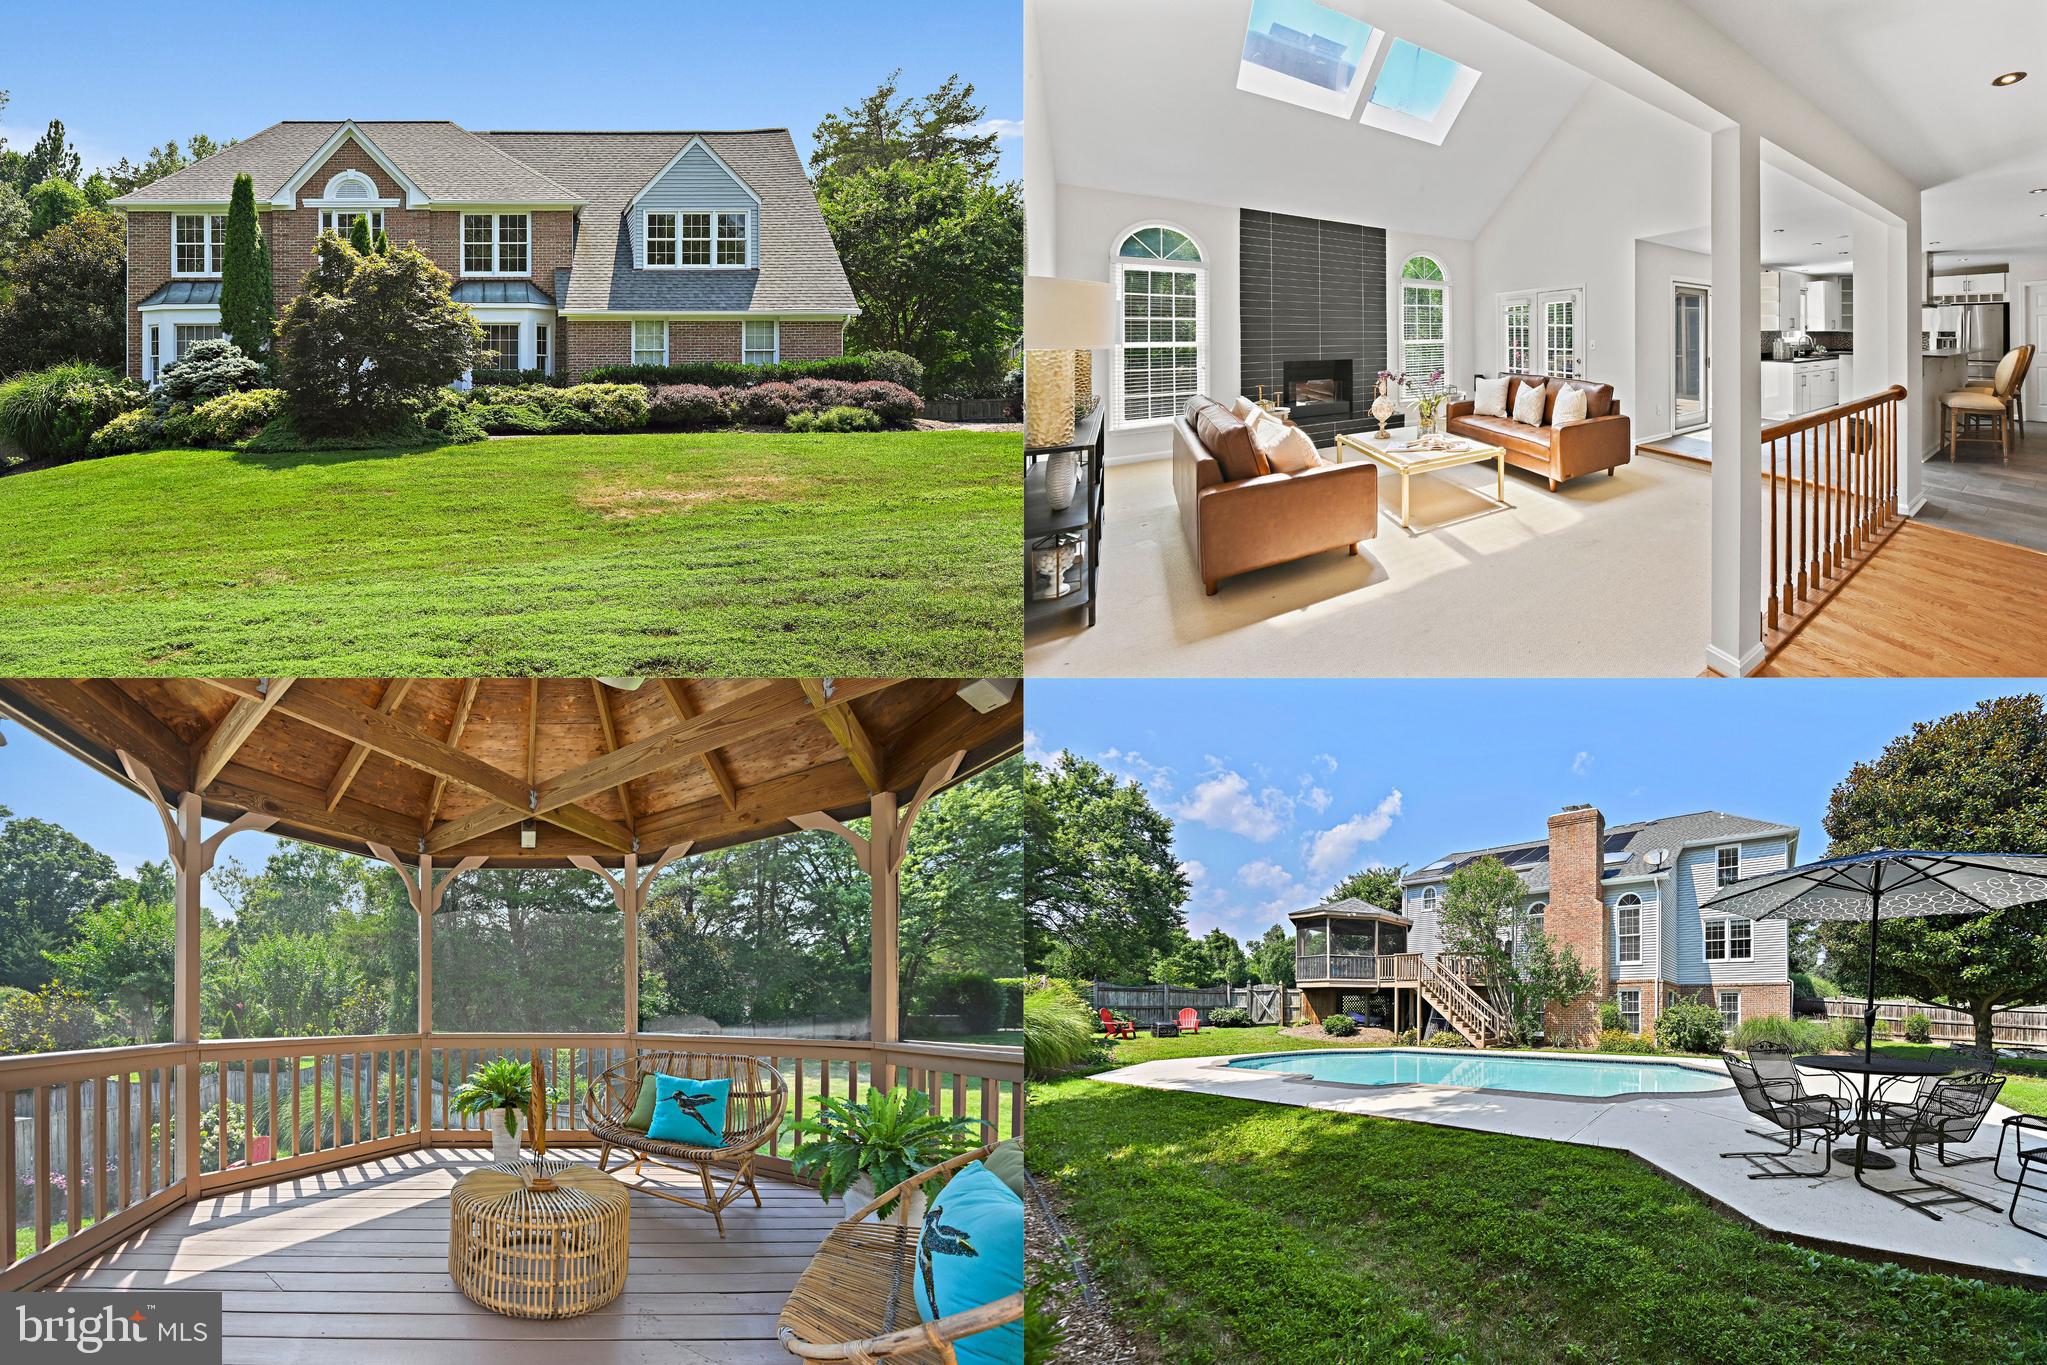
point(1424, 319)
point(1627, 929)
point(1162, 299)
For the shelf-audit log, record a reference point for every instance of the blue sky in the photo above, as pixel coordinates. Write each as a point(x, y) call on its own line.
point(1279, 788)
point(125, 77)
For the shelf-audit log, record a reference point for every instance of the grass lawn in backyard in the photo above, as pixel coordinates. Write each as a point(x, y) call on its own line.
point(1228, 1230)
point(738, 553)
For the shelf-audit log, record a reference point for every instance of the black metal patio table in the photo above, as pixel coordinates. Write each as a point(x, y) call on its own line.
point(1890, 1068)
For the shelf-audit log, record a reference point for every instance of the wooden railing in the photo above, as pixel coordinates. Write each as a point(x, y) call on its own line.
point(1468, 1012)
point(1830, 487)
point(1362, 967)
point(104, 1157)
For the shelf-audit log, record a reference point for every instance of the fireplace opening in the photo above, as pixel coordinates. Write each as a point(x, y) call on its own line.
point(1316, 389)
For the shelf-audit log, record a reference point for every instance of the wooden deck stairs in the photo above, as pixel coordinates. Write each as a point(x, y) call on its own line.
point(1470, 1013)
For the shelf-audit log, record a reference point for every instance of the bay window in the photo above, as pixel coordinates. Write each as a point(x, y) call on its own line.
point(501, 340)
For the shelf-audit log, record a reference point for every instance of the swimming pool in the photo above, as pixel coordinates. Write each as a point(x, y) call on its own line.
point(1577, 1077)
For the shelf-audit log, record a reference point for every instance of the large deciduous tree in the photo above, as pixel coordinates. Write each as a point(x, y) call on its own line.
point(125, 954)
point(1972, 781)
point(1525, 973)
point(48, 879)
point(1214, 959)
point(1271, 959)
point(366, 335)
point(1103, 890)
point(52, 204)
point(247, 309)
point(67, 301)
point(1377, 885)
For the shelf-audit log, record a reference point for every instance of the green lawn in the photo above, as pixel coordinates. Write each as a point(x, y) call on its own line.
point(727, 553)
point(1228, 1230)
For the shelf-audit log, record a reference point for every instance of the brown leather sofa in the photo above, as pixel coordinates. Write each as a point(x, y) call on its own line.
point(1235, 527)
point(1602, 441)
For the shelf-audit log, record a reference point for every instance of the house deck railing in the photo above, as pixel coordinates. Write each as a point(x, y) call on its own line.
point(95, 1145)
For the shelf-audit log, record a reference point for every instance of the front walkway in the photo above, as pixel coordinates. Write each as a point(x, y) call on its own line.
point(1681, 1136)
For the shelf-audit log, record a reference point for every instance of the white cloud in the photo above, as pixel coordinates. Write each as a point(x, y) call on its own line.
point(1196, 874)
point(1001, 127)
point(1264, 875)
point(1331, 851)
point(1223, 800)
point(1313, 797)
point(1034, 748)
point(1328, 762)
point(1582, 765)
point(1131, 763)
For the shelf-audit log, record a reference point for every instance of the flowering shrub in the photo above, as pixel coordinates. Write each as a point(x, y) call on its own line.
point(689, 407)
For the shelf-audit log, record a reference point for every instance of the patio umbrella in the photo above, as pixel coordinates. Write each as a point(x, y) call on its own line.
point(1888, 884)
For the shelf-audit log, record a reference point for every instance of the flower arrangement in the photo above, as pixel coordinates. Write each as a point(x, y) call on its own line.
point(1428, 395)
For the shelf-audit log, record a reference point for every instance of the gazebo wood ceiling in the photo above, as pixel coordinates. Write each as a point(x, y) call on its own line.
point(452, 766)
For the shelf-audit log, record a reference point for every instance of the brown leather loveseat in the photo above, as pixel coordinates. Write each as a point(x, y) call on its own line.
point(1601, 441)
point(1236, 526)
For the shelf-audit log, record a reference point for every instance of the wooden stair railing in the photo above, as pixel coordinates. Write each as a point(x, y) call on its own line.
point(1470, 1013)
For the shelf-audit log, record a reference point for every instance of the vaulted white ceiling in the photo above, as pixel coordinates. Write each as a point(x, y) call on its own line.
point(1911, 80)
point(1141, 96)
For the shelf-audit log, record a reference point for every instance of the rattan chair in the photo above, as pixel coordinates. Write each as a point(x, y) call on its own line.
point(856, 1301)
point(753, 1111)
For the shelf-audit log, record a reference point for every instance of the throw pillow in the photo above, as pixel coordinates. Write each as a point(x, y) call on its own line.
point(1490, 400)
point(1571, 406)
point(643, 1107)
point(1528, 404)
point(1007, 1161)
point(1241, 408)
point(970, 1253)
point(689, 1111)
point(1229, 440)
point(1287, 450)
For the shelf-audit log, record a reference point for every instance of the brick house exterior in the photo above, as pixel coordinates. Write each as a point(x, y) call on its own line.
point(545, 235)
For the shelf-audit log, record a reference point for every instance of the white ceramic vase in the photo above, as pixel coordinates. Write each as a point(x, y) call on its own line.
point(861, 1193)
point(503, 1146)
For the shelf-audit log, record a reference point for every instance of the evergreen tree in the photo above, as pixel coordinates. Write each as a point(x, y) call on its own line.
point(52, 158)
point(359, 235)
point(245, 297)
point(382, 245)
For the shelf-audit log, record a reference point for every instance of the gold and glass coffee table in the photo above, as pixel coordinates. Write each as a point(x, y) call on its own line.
point(1407, 457)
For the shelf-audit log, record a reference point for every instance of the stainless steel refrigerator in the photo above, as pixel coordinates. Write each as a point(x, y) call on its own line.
point(1983, 331)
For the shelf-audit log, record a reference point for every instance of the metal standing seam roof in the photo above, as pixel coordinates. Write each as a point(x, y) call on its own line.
point(1671, 832)
point(184, 291)
point(501, 291)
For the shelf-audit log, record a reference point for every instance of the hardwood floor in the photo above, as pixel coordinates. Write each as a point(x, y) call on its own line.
point(1930, 603)
point(1982, 495)
point(350, 1266)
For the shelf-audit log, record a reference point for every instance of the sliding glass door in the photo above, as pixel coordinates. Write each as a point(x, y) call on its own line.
point(1688, 389)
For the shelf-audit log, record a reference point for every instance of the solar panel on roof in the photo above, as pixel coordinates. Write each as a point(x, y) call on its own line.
point(1615, 842)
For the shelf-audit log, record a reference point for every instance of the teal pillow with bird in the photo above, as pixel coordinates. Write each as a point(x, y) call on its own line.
point(970, 1252)
point(689, 1112)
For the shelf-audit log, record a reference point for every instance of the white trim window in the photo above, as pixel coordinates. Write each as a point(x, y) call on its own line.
point(1730, 940)
point(1630, 1002)
point(189, 334)
point(732, 238)
point(693, 233)
point(1424, 318)
point(650, 343)
point(497, 243)
point(657, 230)
point(542, 361)
point(197, 240)
point(1162, 355)
point(1537, 913)
point(1517, 329)
point(1730, 1009)
point(1563, 332)
point(155, 353)
point(341, 222)
point(1627, 928)
point(760, 341)
point(501, 340)
point(1429, 897)
point(1727, 864)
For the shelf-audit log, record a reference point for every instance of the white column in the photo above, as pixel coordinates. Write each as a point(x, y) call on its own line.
point(1736, 645)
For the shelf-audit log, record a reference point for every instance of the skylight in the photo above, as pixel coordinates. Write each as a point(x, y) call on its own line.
point(1319, 58)
point(1418, 93)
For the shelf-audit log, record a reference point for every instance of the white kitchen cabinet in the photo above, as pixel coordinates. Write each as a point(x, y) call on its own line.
point(1974, 287)
point(1773, 301)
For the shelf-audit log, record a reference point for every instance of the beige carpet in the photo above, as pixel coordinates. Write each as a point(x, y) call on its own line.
point(1605, 577)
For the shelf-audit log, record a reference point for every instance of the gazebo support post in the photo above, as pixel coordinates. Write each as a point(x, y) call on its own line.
point(880, 854)
point(192, 852)
point(629, 890)
point(425, 890)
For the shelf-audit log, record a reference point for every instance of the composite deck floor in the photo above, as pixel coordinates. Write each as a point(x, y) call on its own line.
point(351, 1266)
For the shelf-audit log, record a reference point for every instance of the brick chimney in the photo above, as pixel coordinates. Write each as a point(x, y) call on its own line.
point(1576, 917)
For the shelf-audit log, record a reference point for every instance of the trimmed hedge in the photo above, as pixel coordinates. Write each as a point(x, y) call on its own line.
point(729, 374)
point(536, 409)
point(488, 378)
point(689, 407)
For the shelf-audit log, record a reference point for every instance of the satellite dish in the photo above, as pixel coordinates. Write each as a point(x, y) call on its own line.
point(1656, 857)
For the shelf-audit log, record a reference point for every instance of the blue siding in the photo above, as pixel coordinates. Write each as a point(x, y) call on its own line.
point(1696, 879)
point(696, 183)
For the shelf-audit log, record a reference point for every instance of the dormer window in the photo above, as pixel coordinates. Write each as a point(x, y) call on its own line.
point(684, 240)
point(496, 243)
point(197, 240)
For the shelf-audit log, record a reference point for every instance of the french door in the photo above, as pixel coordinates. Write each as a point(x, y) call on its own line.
point(1690, 393)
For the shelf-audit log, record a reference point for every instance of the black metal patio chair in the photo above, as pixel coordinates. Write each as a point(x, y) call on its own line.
point(1798, 1116)
point(2029, 1157)
point(1776, 1066)
point(1952, 1109)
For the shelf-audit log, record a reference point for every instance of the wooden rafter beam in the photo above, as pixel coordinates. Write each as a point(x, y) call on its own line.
point(114, 720)
point(358, 753)
point(455, 729)
point(686, 711)
point(609, 724)
point(845, 727)
point(234, 730)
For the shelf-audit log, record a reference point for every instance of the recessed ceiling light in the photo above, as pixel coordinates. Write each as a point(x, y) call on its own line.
point(2009, 78)
point(1781, 229)
point(1819, 243)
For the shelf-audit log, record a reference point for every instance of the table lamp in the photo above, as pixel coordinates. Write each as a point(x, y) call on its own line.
point(1060, 318)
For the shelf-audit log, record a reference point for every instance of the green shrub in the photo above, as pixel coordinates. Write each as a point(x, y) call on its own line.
point(52, 413)
point(281, 437)
point(721, 374)
point(1339, 1025)
point(974, 998)
point(1813, 986)
point(895, 405)
point(1690, 1026)
point(136, 429)
point(1058, 1033)
point(1800, 1035)
point(208, 369)
point(689, 407)
point(1918, 1028)
point(1407, 1038)
point(446, 416)
point(487, 375)
point(840, 418)
point(227, 420)
point(1620, 1040)
point(1611, 1018)
point(893, 366)
point(536, 409)
point(1229, 1016)
point(1446, 1037)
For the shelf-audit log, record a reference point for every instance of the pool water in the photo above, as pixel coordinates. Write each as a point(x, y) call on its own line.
point(1583, 1077)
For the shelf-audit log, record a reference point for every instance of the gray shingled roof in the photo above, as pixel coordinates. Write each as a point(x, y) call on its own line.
point(1671, 832)
point(184, 291)
point(446, 161)
point(1349, 905)
point(799, 267)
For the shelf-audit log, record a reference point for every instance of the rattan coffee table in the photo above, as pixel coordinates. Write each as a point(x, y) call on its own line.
point(1451, 452)
point(532, 1252)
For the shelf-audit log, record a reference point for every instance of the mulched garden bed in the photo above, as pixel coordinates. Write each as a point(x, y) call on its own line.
point(1092, 1336)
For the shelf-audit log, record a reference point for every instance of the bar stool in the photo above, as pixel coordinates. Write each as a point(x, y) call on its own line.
point(1991, 404)
point(2018, 393)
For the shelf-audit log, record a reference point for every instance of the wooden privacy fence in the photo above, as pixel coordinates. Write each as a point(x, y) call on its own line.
point(2009, 1028)
point(1150, 1005)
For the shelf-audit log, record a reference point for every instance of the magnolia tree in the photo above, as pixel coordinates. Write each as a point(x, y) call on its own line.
point(1482, 919)
point(367, 336)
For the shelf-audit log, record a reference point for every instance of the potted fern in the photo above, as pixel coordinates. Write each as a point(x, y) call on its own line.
point(502, 1088)
point(853, 1150)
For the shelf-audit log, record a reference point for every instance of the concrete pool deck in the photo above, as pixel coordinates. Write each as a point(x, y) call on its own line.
point(1682, 1135)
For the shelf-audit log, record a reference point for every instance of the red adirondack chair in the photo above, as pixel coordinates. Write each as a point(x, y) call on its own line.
point(1117, 1028)
point(1190, 1020)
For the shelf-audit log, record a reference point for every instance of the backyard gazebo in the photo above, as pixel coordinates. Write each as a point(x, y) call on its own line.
point(617, 777)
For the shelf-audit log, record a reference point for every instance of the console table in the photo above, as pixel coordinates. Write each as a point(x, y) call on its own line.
point(1082, 517)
